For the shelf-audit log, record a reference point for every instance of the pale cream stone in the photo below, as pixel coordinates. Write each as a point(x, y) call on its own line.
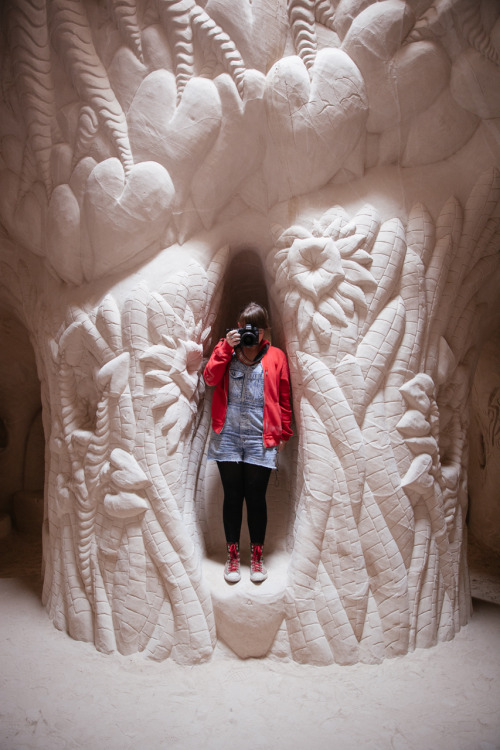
point(160, 166)
point(437, 132)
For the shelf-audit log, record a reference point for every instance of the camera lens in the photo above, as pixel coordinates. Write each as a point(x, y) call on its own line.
point(249, 336)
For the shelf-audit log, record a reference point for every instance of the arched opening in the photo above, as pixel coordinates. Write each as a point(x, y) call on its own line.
point(244, 281)
point(21, 452)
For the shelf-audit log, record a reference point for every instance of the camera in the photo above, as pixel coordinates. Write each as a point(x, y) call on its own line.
point(249, 335)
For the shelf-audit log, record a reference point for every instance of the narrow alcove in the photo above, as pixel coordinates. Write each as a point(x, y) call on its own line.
point(21, 451)
point(244, 282)
point(256, 611)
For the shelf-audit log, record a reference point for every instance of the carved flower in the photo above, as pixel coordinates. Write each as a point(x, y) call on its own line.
point(176, 361)
point(175, 366)
point(314, 266)
point(324, 276)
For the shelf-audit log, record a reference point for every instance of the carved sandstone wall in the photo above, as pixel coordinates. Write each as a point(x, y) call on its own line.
point(484, 512)
point(163, 161)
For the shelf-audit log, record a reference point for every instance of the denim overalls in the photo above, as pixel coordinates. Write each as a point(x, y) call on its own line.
point(241, 437)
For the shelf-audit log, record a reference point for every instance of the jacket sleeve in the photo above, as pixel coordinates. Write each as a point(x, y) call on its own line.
point(217, 364)
point(284, 397)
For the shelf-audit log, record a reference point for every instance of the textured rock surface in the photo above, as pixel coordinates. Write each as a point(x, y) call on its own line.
point(162, 163)
point(484, 472)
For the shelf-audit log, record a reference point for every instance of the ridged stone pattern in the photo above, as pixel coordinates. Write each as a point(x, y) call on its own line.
point(146, 168)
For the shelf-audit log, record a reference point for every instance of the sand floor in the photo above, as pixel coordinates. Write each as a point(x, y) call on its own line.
point(59, 694)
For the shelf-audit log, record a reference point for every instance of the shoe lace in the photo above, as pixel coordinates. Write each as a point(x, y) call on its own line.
point(257, 557)
point(233, 558)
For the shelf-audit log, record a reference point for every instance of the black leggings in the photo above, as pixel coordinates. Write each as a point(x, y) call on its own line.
point(248, 482)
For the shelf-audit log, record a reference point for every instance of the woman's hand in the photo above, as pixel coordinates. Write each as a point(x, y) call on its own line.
point(233, 338)
point(281, 446)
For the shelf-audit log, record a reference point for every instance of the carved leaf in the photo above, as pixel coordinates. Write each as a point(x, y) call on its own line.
point(388, 257)
point(351, 379)
point(418, 477)
point(378, 347)
point(160, 357)
point(354, 294)
point(88, 125)
point(367, 223)
point(71, 34)
point(31, 59)
point(324, 13)
point(387, 573)
point(420, 232)
point(288, 237)
point(435, 277)
point(417, 392)
point(413, 424)
point(440, 283)
point(301, 15)
point(135, 333)
point(163, 319)
point(130, 591)
point(80, 334)
point(166, 396)
point(114, 374)
point(322, 390)
point(409, 357)
point(426, 444)
point(109, 324)
point(175, 19)
point(159, 376)
point(124, 505)
point(347, 246)
point(221, 45)
point(125, 17)
point(332, 224)
point(474, 32)
point(356, 274)
point(126, 473)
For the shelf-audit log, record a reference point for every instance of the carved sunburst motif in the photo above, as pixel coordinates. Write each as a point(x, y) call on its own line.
point(325, 272)
point(174, 365)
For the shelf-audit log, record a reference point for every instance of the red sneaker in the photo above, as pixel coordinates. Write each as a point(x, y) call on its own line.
point(232, 567)
point(258, 572)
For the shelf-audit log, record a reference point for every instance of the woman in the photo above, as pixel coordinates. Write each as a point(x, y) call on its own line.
point(251, 419)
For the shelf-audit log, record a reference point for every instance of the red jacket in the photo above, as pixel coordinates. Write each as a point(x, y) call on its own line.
point(277, 411)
